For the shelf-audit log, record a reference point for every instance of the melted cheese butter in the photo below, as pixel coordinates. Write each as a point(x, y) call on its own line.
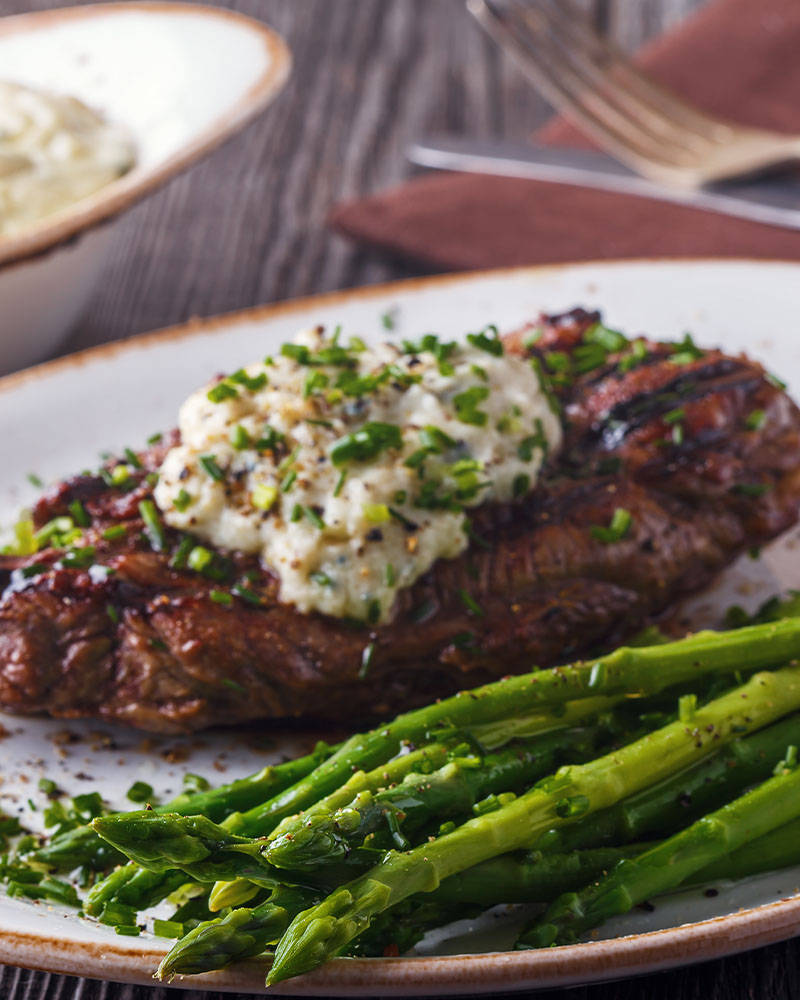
point(351, 478)
point(54, 151)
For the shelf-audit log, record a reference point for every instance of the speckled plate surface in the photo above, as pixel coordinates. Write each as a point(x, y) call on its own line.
point(57, 419)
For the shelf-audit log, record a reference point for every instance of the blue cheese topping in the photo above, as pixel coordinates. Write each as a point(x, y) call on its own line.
point(351, 469)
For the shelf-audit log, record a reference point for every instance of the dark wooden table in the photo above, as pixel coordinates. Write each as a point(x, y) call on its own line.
point(248, 226)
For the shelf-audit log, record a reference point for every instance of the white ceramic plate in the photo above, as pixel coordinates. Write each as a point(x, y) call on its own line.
point(63, 414)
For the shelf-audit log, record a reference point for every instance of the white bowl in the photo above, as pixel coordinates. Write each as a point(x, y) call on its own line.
point(181, 77)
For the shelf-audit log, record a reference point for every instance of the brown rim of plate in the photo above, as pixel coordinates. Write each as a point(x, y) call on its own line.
point(219, 321)
point(441, 975)
point(496, 972)
point(136, 184)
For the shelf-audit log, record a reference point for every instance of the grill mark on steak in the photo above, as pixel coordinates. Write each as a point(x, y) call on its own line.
point(171, 659)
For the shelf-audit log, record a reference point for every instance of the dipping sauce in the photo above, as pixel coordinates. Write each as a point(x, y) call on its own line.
point(349, 468)
point(54, 151)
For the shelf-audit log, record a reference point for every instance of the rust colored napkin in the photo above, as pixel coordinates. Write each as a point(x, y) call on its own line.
point(738, 58)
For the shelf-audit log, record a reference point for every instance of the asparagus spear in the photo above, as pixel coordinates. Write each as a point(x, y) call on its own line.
point(133, 886)
point(671, 804)
point(625, 672)
point(668, 864)
point(538, 877)
point(322, 836)
point(243, 933)
point(323, 930)
point(206, 851)
point(519, 877)
point(82, 846)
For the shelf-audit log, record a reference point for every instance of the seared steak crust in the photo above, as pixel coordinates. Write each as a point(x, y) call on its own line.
point(143, 643)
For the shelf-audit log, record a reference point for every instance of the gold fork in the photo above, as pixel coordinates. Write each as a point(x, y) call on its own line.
point(643, 124)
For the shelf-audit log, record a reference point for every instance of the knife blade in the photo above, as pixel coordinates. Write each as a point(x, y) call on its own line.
point(772, 199)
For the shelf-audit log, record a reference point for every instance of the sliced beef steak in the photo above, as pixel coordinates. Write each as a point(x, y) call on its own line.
point(701, 449)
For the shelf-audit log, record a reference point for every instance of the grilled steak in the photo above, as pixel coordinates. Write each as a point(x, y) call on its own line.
point(701, 449)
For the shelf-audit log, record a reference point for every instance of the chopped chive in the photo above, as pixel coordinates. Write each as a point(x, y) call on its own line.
point(199, 559)
point(756, 420)
point(526, 447)
point(521, 485)
point(466, 405)
point(487, 340)
point(79, 558)
point(112, 613)
point(251, 382)
point(247, 595)
point(314, 382)
point(365, 443)
point(154, 529)
point(263, 496)
point(182, 500)
point(389, 575)
point(120, 474)
point(373, 611)
point(195, 782)
point(270, 439)
point(168, 928)
point(319, 423)
point(407, 524)
point(48, 787)
point(339, 483)
point(313, 517)
point(290, 459)
point(674, 416)
point(240, 439)
point(775, 381)
point(208, 463)
point(296, 514)
point(140, 791)
point(751, 489)
point(233, 685)
point(221, 597)
point(181, 555)
point(619, 526)
point(34, 480)
point(376, 513)
point(611, 340)
point(367, 656)
point(79, 514)
point(470, 603)
point(221, 391)
point(288, 481)
point(155, 438)
point(115, 532)
point(320, 578)
point(133, 458)
point(127, 930)
point(34, 569)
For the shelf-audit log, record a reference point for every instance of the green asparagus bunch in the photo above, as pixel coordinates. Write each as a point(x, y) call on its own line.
point(670, 863)
point(323, 930)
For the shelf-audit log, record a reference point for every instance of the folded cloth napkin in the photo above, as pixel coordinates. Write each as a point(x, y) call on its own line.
point(737, 58)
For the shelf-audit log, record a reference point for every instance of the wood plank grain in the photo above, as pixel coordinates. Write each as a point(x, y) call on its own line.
point(248, 226)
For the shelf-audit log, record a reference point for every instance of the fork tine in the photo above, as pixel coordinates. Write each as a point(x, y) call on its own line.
point(611, 96)
point(618, 133)
point(621, 73)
